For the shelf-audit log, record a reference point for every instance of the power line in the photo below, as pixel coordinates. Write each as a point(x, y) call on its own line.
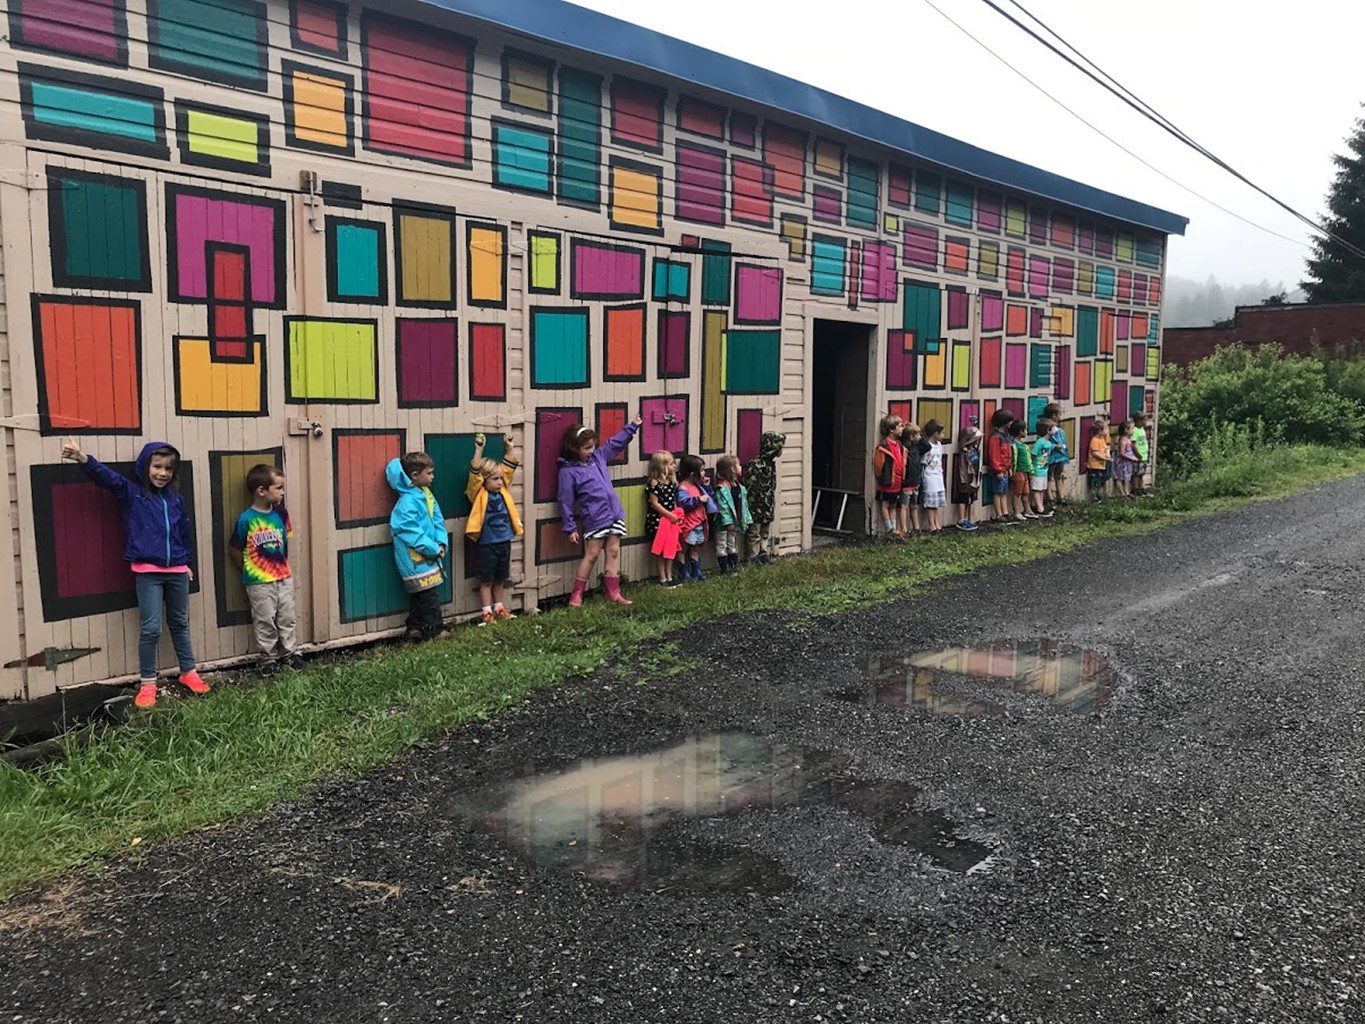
point(1151, 114)
point(1105, 135)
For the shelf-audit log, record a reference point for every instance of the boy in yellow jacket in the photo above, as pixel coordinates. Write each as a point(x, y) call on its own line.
point(493, 522)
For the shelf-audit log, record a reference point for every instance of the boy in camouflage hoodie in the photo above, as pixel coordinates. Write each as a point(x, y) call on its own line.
point(760, 477)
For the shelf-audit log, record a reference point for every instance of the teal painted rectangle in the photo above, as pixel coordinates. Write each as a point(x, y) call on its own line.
point(559, 348)
point(218, 40)
point(928, 190)
point(863, 186)
point(521, 158)
point(371, 587)
point(1104, 282)
point(1039, 366)
point(827, 267)
point(1154, 328)
point(672, 281)
point(453, 454)
point(715, 273)
point(357, 261)
point(88, 110)
point(101, 230)
point(961, 203)
point(1148, 252)
point(580, 136)
point(1137, 399)
point(1036, 405)
point(752, 362)
point(1087, 331)
point(923, 314)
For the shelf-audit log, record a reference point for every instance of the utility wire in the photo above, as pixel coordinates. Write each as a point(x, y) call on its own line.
point(1150, 113)
point(1105, 135)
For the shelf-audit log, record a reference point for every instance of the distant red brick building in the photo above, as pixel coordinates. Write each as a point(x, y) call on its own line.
point(1299, 327)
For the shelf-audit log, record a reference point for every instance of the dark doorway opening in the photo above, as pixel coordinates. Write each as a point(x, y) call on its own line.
point(839, 427)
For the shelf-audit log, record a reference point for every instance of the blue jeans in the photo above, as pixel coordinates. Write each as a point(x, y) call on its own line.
point(153, 590)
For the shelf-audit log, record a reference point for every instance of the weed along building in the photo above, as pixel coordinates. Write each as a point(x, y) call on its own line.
point(321, 235)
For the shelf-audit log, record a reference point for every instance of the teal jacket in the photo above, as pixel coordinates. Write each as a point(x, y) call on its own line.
point(419, 532)
point(725, 508)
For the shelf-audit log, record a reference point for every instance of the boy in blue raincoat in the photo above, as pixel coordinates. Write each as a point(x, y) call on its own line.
point(419, 542)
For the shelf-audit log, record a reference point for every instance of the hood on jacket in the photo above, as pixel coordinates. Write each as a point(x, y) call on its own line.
point(144, 460)
point(771, 443)
point(397, 478)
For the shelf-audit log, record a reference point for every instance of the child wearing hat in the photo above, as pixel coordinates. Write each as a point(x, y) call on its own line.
point(967, 476)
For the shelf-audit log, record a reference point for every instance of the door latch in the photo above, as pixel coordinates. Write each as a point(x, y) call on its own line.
point(303, 428)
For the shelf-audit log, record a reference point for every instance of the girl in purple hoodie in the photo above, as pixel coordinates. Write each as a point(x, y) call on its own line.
point(588, 504)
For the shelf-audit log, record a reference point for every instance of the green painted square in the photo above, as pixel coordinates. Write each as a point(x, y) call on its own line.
point(1137, 399)
point(521, 158)
point(580, 136)
point(371, 587)
point(1039, 366)
point(1087, 331)
point(923, 314)
point(672, 281)
point(827, 267)
point(452, 454)
point(961, 203)
point(715, 273)
point(752, 362)
point(217, 40)
point(863, 186)
point(559, 348)
point(928, 192)
point(98, 232)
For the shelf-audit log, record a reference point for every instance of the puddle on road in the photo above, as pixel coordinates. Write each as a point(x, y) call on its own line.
point(947, 681)
point(624, 821)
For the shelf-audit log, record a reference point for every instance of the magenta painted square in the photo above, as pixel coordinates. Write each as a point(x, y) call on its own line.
point(701, 184)
point(427, 362)
point(200, 219)
point(758, 294)
point(665, 426)
point(1063, 374)
point(1016, 365)
point(608, 272)
point(921, 246)
point(1125, 326)
point(674, 327)
point(828, 203)
point(1118, 401)
point(85, 28)
point(749, 427)
point(879, 272)
point(992, 313)
point(1035, 323)
point(1037, 277)
point(958, 307)
point(89, 535)
point(1063, 275)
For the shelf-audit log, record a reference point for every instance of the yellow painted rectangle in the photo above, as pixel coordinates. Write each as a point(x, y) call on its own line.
point(1104, 379)
point(332, 361)
point(936, 367)
point(545, 262)
point(204, 386)
point(223, 137)
point(1085, 278)
point(1016, 219)
point(1064, 321)
point(486, 256)
point(1121, 359)
point(528, 84)
point(829, 158)
point(633, 501)
point(319, 110)
point(425, 258)
point(635, 199)
point(988, 260)
point(1153, 362)
point(713, 381)
point(962, 365)
point(1123, 247)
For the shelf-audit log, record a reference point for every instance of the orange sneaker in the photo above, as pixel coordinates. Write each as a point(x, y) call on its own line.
point(191, 681)
point(488, 619)
point(146, 695)
point(503, 613)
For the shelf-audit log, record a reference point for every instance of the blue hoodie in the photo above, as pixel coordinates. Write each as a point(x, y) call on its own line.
point(419, 531)
point(156, 521)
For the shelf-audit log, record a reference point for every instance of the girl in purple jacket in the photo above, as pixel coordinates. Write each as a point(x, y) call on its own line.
point(588, 504)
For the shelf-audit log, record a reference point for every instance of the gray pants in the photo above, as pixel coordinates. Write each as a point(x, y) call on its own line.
point(760, 540)
point(272, 616)
point(727, 541)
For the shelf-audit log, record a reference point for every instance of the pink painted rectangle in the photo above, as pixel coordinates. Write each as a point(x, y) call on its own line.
point(1063, 276)
point(988, 207)
point(1038, 268)
point(968, 414)
point(665, 424)
point(608, 272)
point(200, 219)
point(958, 309)
point(1125, 285)
point(1137, 361)
point(921, 246)
point(700, 184)
point(1104, 242)
point(1139, 289)
point(879, 272)
point(1118, 401)
point(828, 203)
point(89, 536)
point(427, 363)
point(1125, 326)
point(992, 312)
point(1014, 405)
point(1035, 323)
point(86, 28)
point(1085, 237)
point(1016, 366)
point(1062, 375)
point(758, 294)
point(749, 428)
point(1014, 272)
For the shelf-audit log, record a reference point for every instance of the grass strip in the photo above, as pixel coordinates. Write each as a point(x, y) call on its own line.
point(194, 763)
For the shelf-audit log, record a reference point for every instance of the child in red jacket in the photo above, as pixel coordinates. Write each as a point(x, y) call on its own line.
point(1000, 464)
point(888, 471)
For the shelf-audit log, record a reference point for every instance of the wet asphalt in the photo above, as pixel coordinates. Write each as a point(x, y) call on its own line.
point(1188, 847)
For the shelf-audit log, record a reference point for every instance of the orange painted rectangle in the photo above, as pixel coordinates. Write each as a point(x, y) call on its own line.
point(89, 365)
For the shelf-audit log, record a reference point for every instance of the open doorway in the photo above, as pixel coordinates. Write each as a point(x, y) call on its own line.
point(839, 428)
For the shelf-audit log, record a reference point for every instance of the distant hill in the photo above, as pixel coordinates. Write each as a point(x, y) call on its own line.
point(1191, 303)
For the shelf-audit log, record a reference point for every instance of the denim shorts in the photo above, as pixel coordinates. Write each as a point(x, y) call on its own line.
point(493, 562)
point(696, 536)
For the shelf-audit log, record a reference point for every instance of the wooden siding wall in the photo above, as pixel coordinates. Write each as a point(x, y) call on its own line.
point(502, 237)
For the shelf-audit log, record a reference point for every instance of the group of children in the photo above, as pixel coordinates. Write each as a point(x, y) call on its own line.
point(1118, 454)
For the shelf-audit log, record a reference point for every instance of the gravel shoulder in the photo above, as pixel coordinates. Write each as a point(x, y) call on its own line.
point(1193, 851)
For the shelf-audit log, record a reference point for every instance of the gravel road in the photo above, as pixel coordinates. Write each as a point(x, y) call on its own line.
point(1123, 785)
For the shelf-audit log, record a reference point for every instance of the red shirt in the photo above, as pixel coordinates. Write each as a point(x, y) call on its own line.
point(999, 454)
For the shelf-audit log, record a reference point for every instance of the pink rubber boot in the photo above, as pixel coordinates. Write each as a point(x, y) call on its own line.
point(576, 598)
point(612, 585)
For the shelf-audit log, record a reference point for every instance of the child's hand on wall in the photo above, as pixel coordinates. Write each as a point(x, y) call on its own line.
point(71, 450)
point(479, 442)
point(509, 442)
point(639, 420)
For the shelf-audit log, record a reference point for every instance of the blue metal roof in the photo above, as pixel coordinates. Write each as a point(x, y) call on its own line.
point(569, 25)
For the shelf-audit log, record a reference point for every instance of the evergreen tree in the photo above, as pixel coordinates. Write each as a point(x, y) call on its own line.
point(1334, 273)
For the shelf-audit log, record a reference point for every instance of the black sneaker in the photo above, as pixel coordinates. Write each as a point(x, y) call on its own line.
point(294, 662)
point(268, 667)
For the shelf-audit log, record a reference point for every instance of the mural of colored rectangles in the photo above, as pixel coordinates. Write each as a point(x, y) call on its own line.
point(88, 354)
point(418, 81)
point(78, 536)
point(222, 41)
point(559, 347)
point(319, 109)
point(361, 495)
point(209, 385)
point(331, 360)
point(424, 251)
point(195, 217)
point(369, 584)
point(428, 363)
point(665, 425)
point(357, 261)
point(92, 111)
point(226, 140)
point(227, 487)
point(97, 225)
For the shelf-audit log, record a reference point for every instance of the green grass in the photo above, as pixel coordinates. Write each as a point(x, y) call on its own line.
point(194, 763)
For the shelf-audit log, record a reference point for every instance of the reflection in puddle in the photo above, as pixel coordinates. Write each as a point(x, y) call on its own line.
point(939, 681)
point(623, 820)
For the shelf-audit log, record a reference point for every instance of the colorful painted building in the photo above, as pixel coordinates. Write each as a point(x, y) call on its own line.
point(323, 234)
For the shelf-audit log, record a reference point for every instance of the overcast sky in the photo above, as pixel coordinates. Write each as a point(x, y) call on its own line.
point(1272, 88)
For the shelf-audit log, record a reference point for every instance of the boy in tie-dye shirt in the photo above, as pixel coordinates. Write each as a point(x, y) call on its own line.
point(260, 544)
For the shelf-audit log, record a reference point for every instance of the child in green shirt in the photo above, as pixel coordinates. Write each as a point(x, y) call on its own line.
point(1023, 470)
point(1137, 489)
